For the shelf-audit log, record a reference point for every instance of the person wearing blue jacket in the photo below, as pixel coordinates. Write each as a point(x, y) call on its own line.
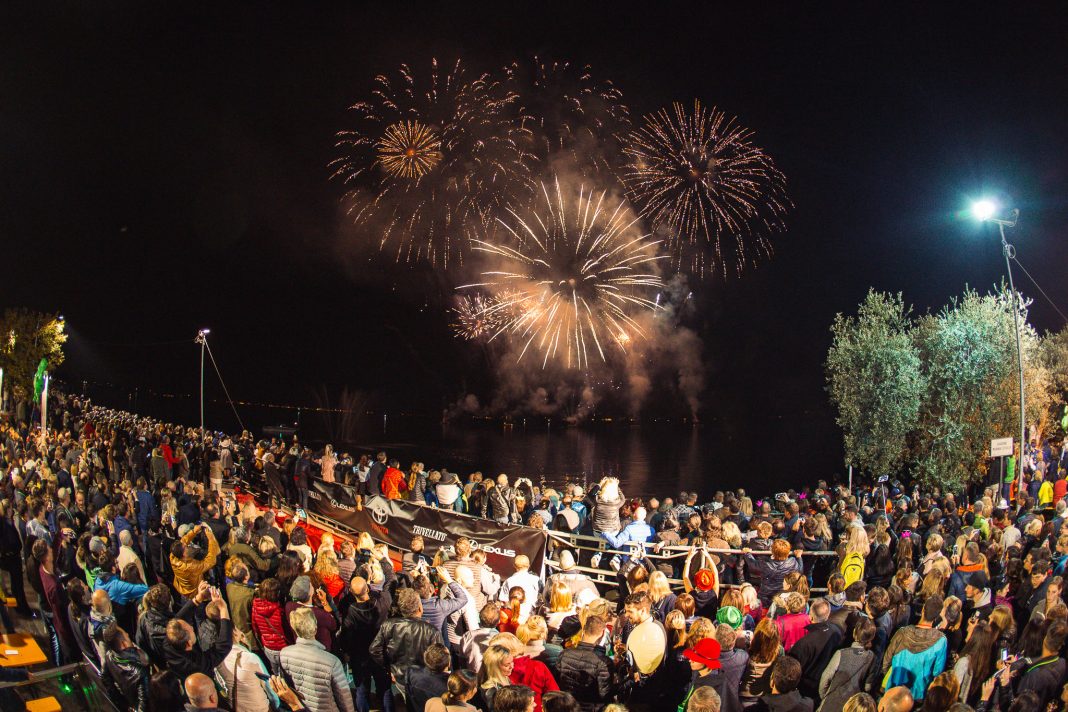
point(636, 530)
point(146, 506)
point(120, 592)
point(917, 654)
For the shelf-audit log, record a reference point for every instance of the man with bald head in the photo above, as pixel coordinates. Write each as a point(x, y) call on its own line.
point(200, 690)
point(896, 699)
point(364, 609)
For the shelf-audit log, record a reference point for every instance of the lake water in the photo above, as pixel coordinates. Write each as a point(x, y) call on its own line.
point(764, 455)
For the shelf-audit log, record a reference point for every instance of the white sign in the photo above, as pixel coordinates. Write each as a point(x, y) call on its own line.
point(1000, 447)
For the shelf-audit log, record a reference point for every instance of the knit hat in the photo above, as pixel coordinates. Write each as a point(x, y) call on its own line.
point(704, 580)
point(705, 652)
point(979, 579)
point(731, 616)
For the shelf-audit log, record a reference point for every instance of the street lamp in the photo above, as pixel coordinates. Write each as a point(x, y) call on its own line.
point(202, 339)
point(987, 211)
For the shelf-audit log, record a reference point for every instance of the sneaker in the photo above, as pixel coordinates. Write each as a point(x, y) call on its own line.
point(596, 560)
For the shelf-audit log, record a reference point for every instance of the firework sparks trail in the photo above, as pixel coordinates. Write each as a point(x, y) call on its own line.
point(431, 159)
point(698, 174)
point(478, 316)
point(570, 111)
point(572, 277)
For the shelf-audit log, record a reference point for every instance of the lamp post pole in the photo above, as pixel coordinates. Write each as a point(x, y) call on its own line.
point(202, 339)
point(1010, 252)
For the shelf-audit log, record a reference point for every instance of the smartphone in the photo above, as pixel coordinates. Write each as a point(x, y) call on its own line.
point(1004, 654)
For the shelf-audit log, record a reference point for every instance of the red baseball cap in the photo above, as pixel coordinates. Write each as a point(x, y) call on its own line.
point(705, 652)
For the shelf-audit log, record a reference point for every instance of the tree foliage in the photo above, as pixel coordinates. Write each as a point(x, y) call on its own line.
point(928, 394)
point(26, 337)
point(875, 377)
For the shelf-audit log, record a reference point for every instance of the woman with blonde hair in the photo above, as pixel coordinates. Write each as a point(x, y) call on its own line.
point(934, 545)
point(752, 605)
point(534, 635)
point(326, 566)
point(764, 649)
point(497, 664)
point(327, 463)
point(561, 605)
point(700, 629)
point(660, 592)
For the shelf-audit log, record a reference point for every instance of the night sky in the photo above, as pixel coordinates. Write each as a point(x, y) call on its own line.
point(164, 167)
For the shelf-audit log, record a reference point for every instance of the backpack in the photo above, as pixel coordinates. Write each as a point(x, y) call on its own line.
point(852, 568)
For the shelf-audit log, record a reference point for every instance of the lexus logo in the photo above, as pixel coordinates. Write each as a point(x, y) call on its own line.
point(379, 516)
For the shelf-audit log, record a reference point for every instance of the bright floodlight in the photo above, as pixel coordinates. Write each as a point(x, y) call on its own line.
point(984, 209)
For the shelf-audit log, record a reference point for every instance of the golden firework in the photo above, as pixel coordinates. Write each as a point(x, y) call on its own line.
point(573, 277)
point(697, 176)
point(409, 149)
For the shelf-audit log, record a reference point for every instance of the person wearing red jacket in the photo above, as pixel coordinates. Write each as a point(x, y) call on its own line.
point(535, 675)
point(394, 483)
point(267, 622)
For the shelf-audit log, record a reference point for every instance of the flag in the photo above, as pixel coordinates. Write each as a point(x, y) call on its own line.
point(38, 380)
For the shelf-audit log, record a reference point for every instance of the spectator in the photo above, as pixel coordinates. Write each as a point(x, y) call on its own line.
point(435, 608)
point(400, 640)
point(522, 578)
point(585, 670)
point(318, 676)
point(707, 669)
point(514, 698)
point(461, 687)
point(917, 652)
point(239, 593)
point(772, 571)
point(846, 672)
point(366, 609)
point(127, 666)
point(301, 594)
point(820, 641)
point(430, 679)
point(785, 697)
point(187, 567)
point(473, 643)
point(181, 650)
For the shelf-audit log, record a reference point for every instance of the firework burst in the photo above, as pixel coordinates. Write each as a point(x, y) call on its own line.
point(432, 158)
point(570, 112)
point(698, 175)
point(573, 277)
point(478, 316)
point(409, 149)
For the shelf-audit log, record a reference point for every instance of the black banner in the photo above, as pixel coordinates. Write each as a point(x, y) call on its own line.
point(395, 522)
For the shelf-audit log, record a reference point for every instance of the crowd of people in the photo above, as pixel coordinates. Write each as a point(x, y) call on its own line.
point(142, 562)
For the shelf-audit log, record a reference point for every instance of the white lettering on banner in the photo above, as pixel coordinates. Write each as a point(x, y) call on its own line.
point(430, 533)
point(500, 552)
point(339, 505)
point(314, 495)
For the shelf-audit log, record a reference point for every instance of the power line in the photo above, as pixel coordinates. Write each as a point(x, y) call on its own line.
point(1041, 291)
point(225, 390)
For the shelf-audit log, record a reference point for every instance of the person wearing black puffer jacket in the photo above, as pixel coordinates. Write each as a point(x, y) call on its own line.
point(585, 670)
point(152, 625)
point(773, 569)
point(400, 642)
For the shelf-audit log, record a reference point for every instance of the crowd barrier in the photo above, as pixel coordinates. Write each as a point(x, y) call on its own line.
point(395, 522)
